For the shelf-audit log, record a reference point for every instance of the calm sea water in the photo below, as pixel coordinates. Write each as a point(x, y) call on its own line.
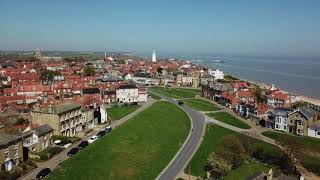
point(300, 76)
point(297, 75)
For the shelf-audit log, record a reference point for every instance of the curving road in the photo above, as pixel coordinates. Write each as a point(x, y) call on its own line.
point(190, 146)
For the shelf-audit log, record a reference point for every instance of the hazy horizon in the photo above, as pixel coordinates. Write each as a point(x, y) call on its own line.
point(287, 28)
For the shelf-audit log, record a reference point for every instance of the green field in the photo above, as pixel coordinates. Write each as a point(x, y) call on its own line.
point(174, 92)
point(200, 105)
point(245, 170)
point(154, 96)
point(139, 149)
point(229, 119)
point(198, 91)
point(116, 113)
point(310, 146)
point(212, 138)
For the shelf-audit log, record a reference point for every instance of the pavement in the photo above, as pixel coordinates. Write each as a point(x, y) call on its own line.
point(189, 147)
point(54, 162)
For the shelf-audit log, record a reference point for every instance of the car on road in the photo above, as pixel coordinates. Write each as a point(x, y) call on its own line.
point(82, 145)
point(92, 139)
point(101, 134)
point(107, 129)
point(73, 151)
point(43, 173)
point(180, 103)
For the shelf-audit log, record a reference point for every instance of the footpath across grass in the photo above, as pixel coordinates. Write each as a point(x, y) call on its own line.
point(200, 105)
point(213, 136)
point(229, 119)
point(139, 149)
point(174, 92)
point(116, 113)
point(311, 148)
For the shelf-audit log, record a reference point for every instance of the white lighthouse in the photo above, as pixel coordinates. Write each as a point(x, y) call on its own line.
point(154, 56)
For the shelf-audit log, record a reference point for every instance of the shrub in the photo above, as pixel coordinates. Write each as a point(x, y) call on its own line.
point(49, 152)
point(64, 139)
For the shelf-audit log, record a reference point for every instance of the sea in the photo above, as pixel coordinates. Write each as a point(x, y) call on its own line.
point(300, 76)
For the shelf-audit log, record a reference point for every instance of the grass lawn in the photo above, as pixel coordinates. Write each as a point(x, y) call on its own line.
point(246, 169)
point(310, 146)
point(212, 138)
point(116, 113)
point(139, 149)
point(229, 119)
point(154, 96)
point(198, 91)
point(200, 105)
point(174, 92)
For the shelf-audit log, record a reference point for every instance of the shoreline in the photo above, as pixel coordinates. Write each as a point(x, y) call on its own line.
point(304, 98)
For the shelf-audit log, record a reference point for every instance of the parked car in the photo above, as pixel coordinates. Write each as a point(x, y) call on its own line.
point(43, 173)
point(101, 133)
point(92, 139)
point(82, 145)
point(72, 151)
point(107, 129)
point(180, 103)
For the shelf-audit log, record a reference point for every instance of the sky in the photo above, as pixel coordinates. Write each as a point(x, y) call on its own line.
point(248, 27)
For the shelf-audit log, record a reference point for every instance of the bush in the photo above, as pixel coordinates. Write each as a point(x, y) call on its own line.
point(49, 152)
point(64, 139)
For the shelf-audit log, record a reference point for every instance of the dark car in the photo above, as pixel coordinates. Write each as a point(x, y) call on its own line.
point(73, 151)
point(107, 129)
point(180, 103)
point(101, 133)
point(82, 145)
point(43, 173)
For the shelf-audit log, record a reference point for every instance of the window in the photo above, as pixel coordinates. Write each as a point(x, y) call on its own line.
point(33, 149)
point(299, 123)
point(299, 131)
point(277, 126)
point(291, 121)
point(284, 127)
point(318, 133)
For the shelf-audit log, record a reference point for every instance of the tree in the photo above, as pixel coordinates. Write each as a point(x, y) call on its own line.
point(232, 150)
point(89, 71)
point(160, 70)
point(217, 166)
point(259, 93)
point(292, 149)
point(49, 75)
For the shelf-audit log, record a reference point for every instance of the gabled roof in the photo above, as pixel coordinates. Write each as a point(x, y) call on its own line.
point(8, 139)
point(308, 112)
point(42, 130)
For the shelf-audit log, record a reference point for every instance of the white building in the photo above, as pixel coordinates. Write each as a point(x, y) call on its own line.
point(218, 74)
point(131, 94)
point(127, 93)
point(314, 130)
point(154, 56)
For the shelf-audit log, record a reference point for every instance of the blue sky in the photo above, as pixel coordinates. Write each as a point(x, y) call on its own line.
point(249, 27)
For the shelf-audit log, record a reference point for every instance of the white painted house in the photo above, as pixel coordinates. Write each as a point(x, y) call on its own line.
point(127, 93)
point(217, 73)
point(314, 130)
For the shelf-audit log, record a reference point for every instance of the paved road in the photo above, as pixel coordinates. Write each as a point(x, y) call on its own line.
point(184, 155)
point(57, 159)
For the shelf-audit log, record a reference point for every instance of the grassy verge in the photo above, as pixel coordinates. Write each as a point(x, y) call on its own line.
point(229, 119)
point(212, 138)
point(116, 113)
point(200, 105)
point(139, 149)
point(174, 93)
point(154, 96)
point(310, 146)
point(246, 169)
point(198, 91)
